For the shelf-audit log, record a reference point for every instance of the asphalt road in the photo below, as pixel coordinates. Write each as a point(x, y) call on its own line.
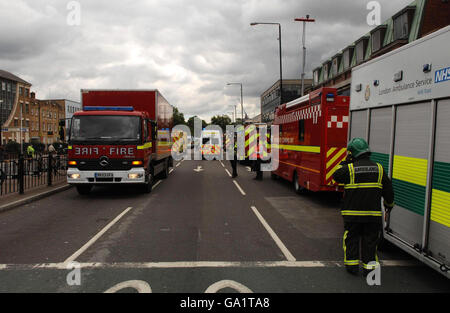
point(198, 230)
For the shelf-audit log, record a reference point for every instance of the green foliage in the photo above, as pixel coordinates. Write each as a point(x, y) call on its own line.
point(178, 117)
point(190, 124)
point(221, 120)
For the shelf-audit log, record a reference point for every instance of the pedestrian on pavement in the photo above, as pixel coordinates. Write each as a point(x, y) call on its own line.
point(365, 183)
point(234, 160)
point(51, 149)
point(30, 151)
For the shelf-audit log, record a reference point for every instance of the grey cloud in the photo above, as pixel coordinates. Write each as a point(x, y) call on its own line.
point(187, 49)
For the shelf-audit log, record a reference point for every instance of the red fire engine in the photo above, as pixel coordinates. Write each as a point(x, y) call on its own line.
point(120, 137)
point(313, 139)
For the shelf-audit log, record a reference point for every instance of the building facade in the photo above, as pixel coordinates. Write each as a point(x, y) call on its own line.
point(270, 99)
point(25, 118)
point(414, 21)
point(15, 105)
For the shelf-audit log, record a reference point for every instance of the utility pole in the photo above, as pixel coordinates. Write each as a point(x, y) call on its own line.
point(304, 20)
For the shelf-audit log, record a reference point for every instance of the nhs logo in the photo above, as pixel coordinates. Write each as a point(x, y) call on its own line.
point(442, 75)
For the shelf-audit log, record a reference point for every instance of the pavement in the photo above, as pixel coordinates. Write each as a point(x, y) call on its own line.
point(198, 230)
point(13, 200)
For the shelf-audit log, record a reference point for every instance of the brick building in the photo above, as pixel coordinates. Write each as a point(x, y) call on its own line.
point(25, 118)
point(15, 107)
point(416, 20)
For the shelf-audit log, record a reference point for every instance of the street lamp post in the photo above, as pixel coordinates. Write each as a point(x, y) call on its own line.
point(1, 121)
point(281, 66)
point(304, 20)
point(242, 99)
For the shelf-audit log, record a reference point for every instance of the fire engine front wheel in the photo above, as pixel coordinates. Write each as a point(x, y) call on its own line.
point(147, 187)
point(84, 189)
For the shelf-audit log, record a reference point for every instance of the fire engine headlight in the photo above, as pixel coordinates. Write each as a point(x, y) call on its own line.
point(135, 175)
point(72, 163)
point(137, 163)
point(74, 176)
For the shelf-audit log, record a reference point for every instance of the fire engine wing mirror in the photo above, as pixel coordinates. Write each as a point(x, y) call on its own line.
point(154, 126)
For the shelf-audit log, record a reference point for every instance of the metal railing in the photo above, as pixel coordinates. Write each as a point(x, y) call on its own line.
point(24, 173)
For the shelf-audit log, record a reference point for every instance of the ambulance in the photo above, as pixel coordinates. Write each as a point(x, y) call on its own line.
point(400, 103)
point(211, 146)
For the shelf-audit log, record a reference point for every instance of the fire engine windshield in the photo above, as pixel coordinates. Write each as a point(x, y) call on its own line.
point(103, 128)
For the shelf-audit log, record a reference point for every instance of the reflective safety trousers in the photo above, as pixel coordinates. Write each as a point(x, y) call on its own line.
point(365, 183)
point(364, 235)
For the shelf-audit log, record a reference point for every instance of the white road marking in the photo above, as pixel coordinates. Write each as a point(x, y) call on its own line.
point(199, 169)
point(156, 185)
point(239, 187)
point(228, 172)
point(274, 236)
point(178, 164)
point(170, 172)
point(203, 264)
point(214, 288)
point(222, 164)
point(74, 256)
point(139, 285)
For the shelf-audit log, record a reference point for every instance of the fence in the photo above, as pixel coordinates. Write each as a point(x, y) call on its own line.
point(23, 173)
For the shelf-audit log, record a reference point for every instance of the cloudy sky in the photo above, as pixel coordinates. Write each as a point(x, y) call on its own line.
point(188, 49)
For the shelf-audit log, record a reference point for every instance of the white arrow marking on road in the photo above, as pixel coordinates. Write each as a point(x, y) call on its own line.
point(248, 168)
point(199, 169)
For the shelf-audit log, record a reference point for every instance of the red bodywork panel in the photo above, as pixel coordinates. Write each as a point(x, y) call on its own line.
point(313, 138)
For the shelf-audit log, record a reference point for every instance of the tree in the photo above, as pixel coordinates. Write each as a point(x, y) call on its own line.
point(178, 117)
point(221, 120)
point(190, 124)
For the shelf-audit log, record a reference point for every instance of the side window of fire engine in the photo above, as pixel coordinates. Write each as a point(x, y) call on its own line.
point(145, 131)
point(301, 130)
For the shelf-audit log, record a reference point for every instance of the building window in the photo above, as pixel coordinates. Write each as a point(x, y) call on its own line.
point(347, 57)
point(401, 26)
point(316, 76)
point(301, 130)
point(326, 71)
point(335, 65)
point(361, 47)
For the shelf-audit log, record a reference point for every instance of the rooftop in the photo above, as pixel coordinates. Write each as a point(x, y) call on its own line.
point(10, 76)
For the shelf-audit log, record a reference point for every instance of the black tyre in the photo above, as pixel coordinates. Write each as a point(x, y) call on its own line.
point(298, 189)
point(148, 186)
point(165, 172)
point(273, 176)
point(84, 189)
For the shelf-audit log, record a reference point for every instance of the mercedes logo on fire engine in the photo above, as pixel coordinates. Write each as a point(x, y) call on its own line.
point(104, 161)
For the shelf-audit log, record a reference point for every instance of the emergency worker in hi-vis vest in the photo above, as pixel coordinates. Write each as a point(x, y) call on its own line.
point(365, 183)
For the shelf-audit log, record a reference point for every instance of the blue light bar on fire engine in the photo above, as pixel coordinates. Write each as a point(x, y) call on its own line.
point(330, 97)
point(127, 109)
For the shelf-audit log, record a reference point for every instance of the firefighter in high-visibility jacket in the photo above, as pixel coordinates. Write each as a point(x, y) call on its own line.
point(365, 183)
